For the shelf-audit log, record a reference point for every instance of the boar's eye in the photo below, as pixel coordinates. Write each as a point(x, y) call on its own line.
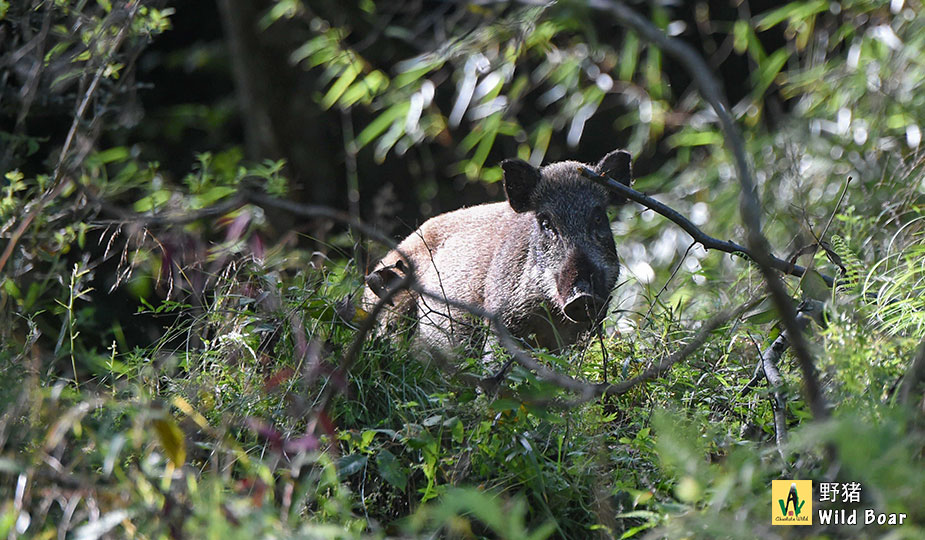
point(546, 224)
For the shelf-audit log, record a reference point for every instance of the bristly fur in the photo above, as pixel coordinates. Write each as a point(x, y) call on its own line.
point(531, 260)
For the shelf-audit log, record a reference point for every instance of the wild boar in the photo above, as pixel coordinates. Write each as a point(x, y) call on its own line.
point(544, 260)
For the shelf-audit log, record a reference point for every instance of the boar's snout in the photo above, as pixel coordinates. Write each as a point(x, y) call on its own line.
point(583, 299)
point(585, 307)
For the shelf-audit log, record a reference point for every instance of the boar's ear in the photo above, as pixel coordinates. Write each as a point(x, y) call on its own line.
point(520, 179)
point(618, 166)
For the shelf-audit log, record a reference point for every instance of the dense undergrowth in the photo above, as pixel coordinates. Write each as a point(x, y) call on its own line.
point(166, 371)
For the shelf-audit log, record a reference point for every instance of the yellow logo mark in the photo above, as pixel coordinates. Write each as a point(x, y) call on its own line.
point(791, 502)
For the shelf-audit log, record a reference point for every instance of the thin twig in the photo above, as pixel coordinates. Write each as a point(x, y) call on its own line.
point(353, 181)
point(364, 329)
point(667, 282)
point(78, 116)
point(818, 244)
point(56, 184)
point(757, 375)
point(588, 391)
point(165, 219)
point(320, 211)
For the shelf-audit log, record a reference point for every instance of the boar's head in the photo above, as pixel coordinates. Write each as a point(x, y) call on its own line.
point(570, 244)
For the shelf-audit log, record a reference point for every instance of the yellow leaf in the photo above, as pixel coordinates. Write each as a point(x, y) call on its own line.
point(171, 438)
point(187, 409)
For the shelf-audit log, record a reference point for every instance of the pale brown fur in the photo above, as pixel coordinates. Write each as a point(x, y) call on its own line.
point(503, 261)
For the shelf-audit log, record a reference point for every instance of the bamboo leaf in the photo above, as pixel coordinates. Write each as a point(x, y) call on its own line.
point(794, 11)
point(768, 70)
point(340, 86)
point(381, 123)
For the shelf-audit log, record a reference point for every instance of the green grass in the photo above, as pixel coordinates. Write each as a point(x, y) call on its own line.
point(216, 429)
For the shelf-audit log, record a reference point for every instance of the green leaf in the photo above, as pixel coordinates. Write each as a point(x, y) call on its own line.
point(629, 57)
point(491, 175)
point(416, 72)
point(482, 506)
point(366, 438)
point(391, 470)
point(340, 86)
point(488, 140)
point(431, 421)
point(814, 287)
point(11, 289)
point(695, 138)
point(364, 90)
point(349, 465)
point(740, 36)
point(651, 517)
point(309, 48)
point(766, 313)
point(10, 514)
point(72, 74)
point(457, 431)
point(769, 69)
point(152, 201)
point(504, 404)
point(56, 50)
point(211, 195)
point(381, 123)
point(755, 48)
point(794, 11)
point(35, 290)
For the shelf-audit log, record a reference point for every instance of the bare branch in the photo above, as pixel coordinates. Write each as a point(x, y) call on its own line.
point(656, 371)
point(364, 329)
point(586, 391)
point(749, 202)
point(810, 310)
point(769, 359)
point(319, 211)
point(707, 241)
point(78, 116)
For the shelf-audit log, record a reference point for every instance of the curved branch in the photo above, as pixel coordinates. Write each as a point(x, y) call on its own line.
point(749, 202)
point(586, 391)
point(709, 242)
